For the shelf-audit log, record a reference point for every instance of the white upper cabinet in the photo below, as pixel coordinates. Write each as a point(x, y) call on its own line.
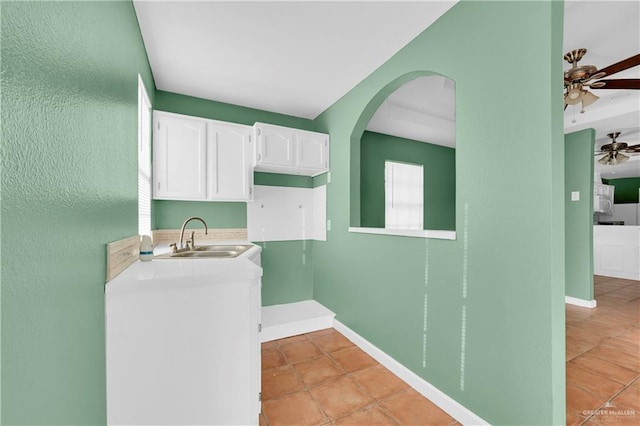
point(275, 146)
point(200, 159)
point(179, 157)
point(230, 160)
point(312, 150)
point(290, 151)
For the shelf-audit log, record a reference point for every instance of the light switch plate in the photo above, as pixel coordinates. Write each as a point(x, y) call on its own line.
point(575, 196)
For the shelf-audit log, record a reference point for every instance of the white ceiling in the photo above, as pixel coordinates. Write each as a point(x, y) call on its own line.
point(299, 57)
point(295, 58)
point(422, 109)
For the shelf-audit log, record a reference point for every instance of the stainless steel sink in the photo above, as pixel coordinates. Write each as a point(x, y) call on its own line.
point(239, 249)
point(216, 251)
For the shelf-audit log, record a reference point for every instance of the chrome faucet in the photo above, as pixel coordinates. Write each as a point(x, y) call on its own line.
point(191, 243)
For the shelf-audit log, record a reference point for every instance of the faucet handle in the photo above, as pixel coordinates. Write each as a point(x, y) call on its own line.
point(174, 247)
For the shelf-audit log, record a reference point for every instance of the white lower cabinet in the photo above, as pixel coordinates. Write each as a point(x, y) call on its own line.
point(183, 352)
point(199, 159)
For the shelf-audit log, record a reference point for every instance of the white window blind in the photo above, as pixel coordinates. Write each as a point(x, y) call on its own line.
point(144, 160)
point(403, 195)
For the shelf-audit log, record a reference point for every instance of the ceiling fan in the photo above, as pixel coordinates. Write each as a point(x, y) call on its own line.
point(578, 79)
point(613, 151)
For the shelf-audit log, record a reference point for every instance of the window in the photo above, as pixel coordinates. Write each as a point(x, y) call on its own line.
point(144, 160)
point(403, 195)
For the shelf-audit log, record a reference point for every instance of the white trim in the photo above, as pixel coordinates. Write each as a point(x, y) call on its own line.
point(144, 168)
point(417, 233)
point(580, 302)
point(291, 319)
point(446, 403)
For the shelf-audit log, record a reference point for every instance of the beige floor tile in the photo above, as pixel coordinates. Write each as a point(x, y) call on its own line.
point(340, 397)
point(411, 408)
point(630, 397)
point(323, 332)
point(332, 342)
point(370, 416)
point(292, 339)
point(268, 345)
point(632, 336)
point(582, 401)
point(592, 382)
point(353, 359)
point(615, 416)
point(317, 370)
point(299, 351)
point(605, 369)
point(279, 381)
point(574, 419)
point(295, 409)
point(614, 356)
point(272, 358)
point(379, 381)
point(624, 346)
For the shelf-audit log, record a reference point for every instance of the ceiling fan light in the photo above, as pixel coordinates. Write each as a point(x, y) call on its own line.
point(621, 158)
point(588, 98)
point(574, 95)
point(604, 159)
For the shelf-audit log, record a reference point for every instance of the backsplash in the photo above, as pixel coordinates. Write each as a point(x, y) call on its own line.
point(168, 236)
point(121, 254)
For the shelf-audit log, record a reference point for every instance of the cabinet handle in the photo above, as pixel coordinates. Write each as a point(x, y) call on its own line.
point(259, 157)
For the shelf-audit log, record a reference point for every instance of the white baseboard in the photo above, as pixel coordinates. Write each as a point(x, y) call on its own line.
point(446, 403)
point(580, 302)
point(291, 319)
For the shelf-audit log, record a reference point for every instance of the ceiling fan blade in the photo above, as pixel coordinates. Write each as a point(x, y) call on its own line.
point(622, 65)
point(622, 83)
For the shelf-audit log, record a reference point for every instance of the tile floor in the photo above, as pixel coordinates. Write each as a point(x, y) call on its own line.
point(603, 356)
point(321, 378)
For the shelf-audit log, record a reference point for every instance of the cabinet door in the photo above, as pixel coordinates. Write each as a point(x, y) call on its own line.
point(312, 149)
point(275, 146)
point(230, 161)
point(179, 157)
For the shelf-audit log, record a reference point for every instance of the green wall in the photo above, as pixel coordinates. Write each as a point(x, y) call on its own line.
point(69, 186)
point(626, 189)
point(198, 107)
point(171, 214)
point(439, 178)
point(578, 175)
point(277, 179)
point(482, 317)
point(288, 273)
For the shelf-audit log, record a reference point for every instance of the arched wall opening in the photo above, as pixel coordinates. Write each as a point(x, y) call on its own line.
point(368, 185)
